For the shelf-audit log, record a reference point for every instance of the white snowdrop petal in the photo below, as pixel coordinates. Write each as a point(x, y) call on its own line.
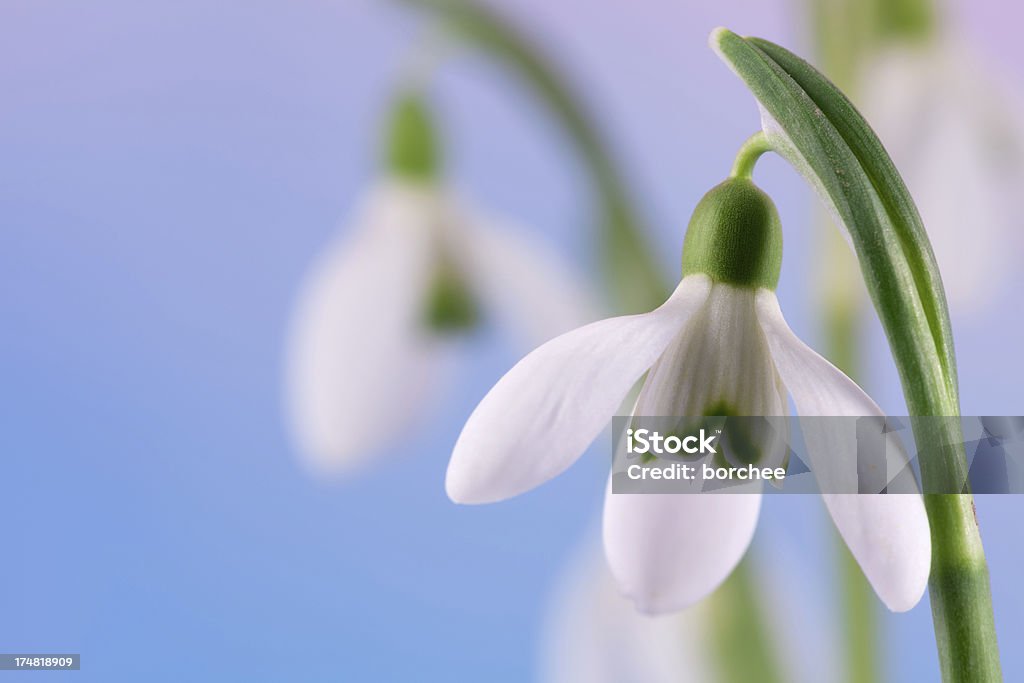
point(719, 357)
point(889, 537)
point(887, 534)
point(541, 416)
point(532, 292)
point(668, 551)
point(357, 359)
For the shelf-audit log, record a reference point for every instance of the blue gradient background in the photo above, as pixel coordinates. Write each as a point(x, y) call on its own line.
point(168, 170)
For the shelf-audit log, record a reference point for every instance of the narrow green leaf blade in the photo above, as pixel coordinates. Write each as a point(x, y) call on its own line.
point(819, 131)
point(887, 182)
point(813, 125)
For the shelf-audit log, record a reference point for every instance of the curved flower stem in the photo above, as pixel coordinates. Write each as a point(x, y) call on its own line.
point(756, 145)
point(627, 259)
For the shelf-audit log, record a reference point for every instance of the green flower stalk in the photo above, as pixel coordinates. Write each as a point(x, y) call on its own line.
point(815, 127)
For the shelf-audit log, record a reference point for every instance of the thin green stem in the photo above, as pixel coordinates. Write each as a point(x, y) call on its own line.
point(627, 259)
point(748, 154)
point(961, 596)
point(740, 638)
point(860, 619)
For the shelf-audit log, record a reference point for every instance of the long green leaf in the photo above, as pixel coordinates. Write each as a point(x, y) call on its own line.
point(814, 126)
point(817, 129)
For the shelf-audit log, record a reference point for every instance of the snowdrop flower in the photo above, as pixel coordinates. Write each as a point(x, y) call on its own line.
point(719, 340)
point(373, 319)
point(956, 132)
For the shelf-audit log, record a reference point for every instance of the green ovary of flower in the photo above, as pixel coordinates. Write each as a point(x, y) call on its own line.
point(412, 151)
point(735, 236)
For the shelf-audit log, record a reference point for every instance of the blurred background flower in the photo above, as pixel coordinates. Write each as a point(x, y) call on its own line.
point(956, 131)
point(593, 633)
point(382, 305)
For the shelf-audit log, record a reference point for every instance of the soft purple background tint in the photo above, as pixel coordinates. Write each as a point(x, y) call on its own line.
point(168, 170)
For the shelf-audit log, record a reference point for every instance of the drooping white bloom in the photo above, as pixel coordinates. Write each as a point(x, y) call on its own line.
point(720, 338)
point(955, 129)
point(418, 266)
point(362, 353)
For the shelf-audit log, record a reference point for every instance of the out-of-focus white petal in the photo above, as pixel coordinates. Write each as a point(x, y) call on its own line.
point(593, 634)
point(956, 133)
point(357, 357)
point(541, 416)
point(668, 551)
point(887, 534)
point(534, 294)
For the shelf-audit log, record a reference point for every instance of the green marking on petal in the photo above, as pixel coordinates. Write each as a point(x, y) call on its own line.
point(450, 306)
point(721, 408)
